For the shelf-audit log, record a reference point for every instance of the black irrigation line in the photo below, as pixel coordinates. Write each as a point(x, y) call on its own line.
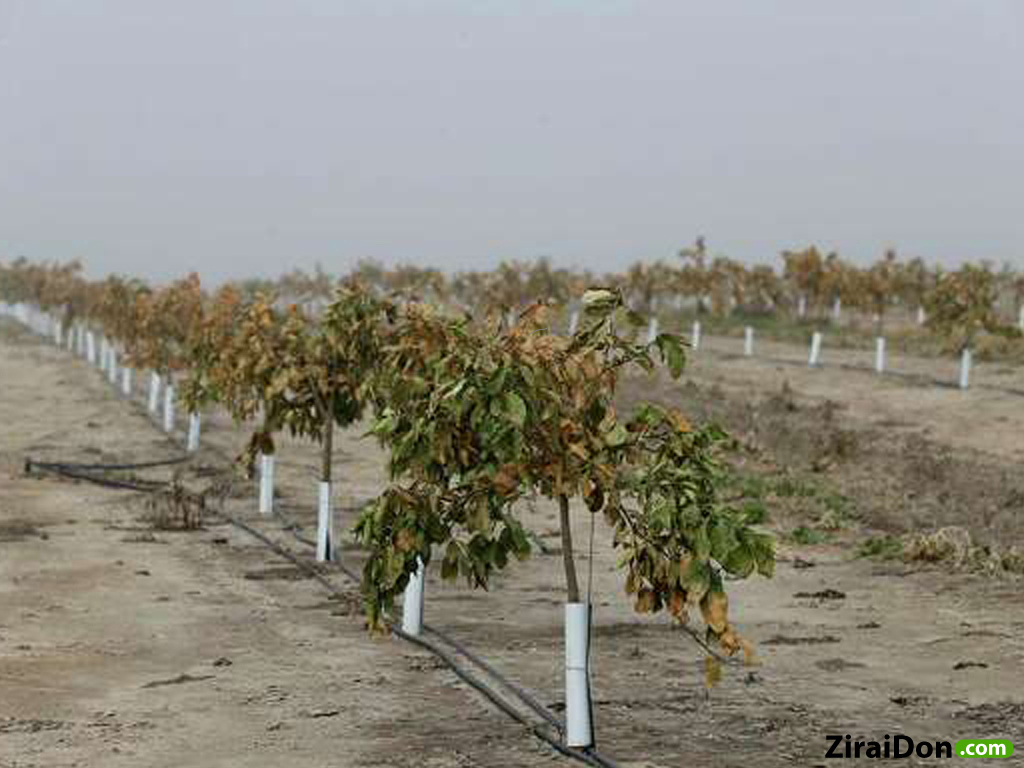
point(550, 732)
point(524, 696)
point(69, 469)
point(542, 732)
point(295, 529)
point(483, 664)
point(590, 756)
point(1004, 390)
point(113, 467)
point(144, 486)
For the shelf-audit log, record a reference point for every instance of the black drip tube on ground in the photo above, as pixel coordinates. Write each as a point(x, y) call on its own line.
point(549, 732)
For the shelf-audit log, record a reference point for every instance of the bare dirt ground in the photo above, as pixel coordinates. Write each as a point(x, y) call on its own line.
point(120, 645)
point(921, 396)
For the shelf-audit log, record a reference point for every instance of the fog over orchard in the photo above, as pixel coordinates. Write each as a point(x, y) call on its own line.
point(247, 138)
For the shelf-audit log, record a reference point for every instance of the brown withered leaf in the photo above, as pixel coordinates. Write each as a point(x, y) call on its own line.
point(714, 607)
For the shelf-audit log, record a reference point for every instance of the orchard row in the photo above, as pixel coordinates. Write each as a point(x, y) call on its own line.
point(476, 415)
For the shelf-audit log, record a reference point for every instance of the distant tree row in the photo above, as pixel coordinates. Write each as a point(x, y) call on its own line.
point(808, 285)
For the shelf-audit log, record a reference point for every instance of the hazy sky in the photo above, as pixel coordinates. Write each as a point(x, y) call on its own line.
point(249, 137)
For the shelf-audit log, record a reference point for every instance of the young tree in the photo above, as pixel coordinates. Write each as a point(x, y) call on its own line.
point(62, 293)
point(165, 321)
point(416, 282)
point(305, 376)
point(763, 291)
point(475, 422)
point(117, 309)
point(728, 285)
point(963, 304)
point(207, 348)
point(913, 282)
point(1014, 285)
point(838, 283)
point(643, 284)
point(805, 271)
point(878, 286)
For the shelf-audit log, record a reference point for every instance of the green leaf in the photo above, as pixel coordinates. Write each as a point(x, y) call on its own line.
point(635, 319)
point(755, 551)
point(616, 436)
point(515, 408)
point(520, 541)
point(697, 578)
point(671, 348)
point(723, 539)
point(450, 564)
point(478, 518)
point(700, 542)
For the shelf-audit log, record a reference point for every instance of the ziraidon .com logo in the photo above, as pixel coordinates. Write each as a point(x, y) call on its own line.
point(899, 746)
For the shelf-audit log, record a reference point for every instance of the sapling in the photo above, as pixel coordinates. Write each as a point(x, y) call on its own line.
point(164, 322)
point(206, 347)
point(960, 307)
point(476, 420)
point(805, 272)
point(307, 377)
point(244, 376)
point(878, 285)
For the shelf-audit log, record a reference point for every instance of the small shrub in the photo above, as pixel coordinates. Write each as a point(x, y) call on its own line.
point(837, 513)
point(789, 487)
point(950, 544)
point(1012, 561)
point(175, 509)
point(748, 486)
point(885, 547)
point(807, 536)
point(754, 513)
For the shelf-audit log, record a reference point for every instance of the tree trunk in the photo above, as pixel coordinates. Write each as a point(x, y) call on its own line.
point(571, 584)
point(328, 447)
point(266, 428)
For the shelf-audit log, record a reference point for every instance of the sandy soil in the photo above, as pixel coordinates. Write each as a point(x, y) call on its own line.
point(922, 396)
point(98, 623)
point(124, 647)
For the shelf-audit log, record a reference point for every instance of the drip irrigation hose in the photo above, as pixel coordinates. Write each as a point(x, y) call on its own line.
point(524, 696)
point(112, 467)
point(543, 732)
point(145, 486)
point(588, 756)
point(294, 529)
